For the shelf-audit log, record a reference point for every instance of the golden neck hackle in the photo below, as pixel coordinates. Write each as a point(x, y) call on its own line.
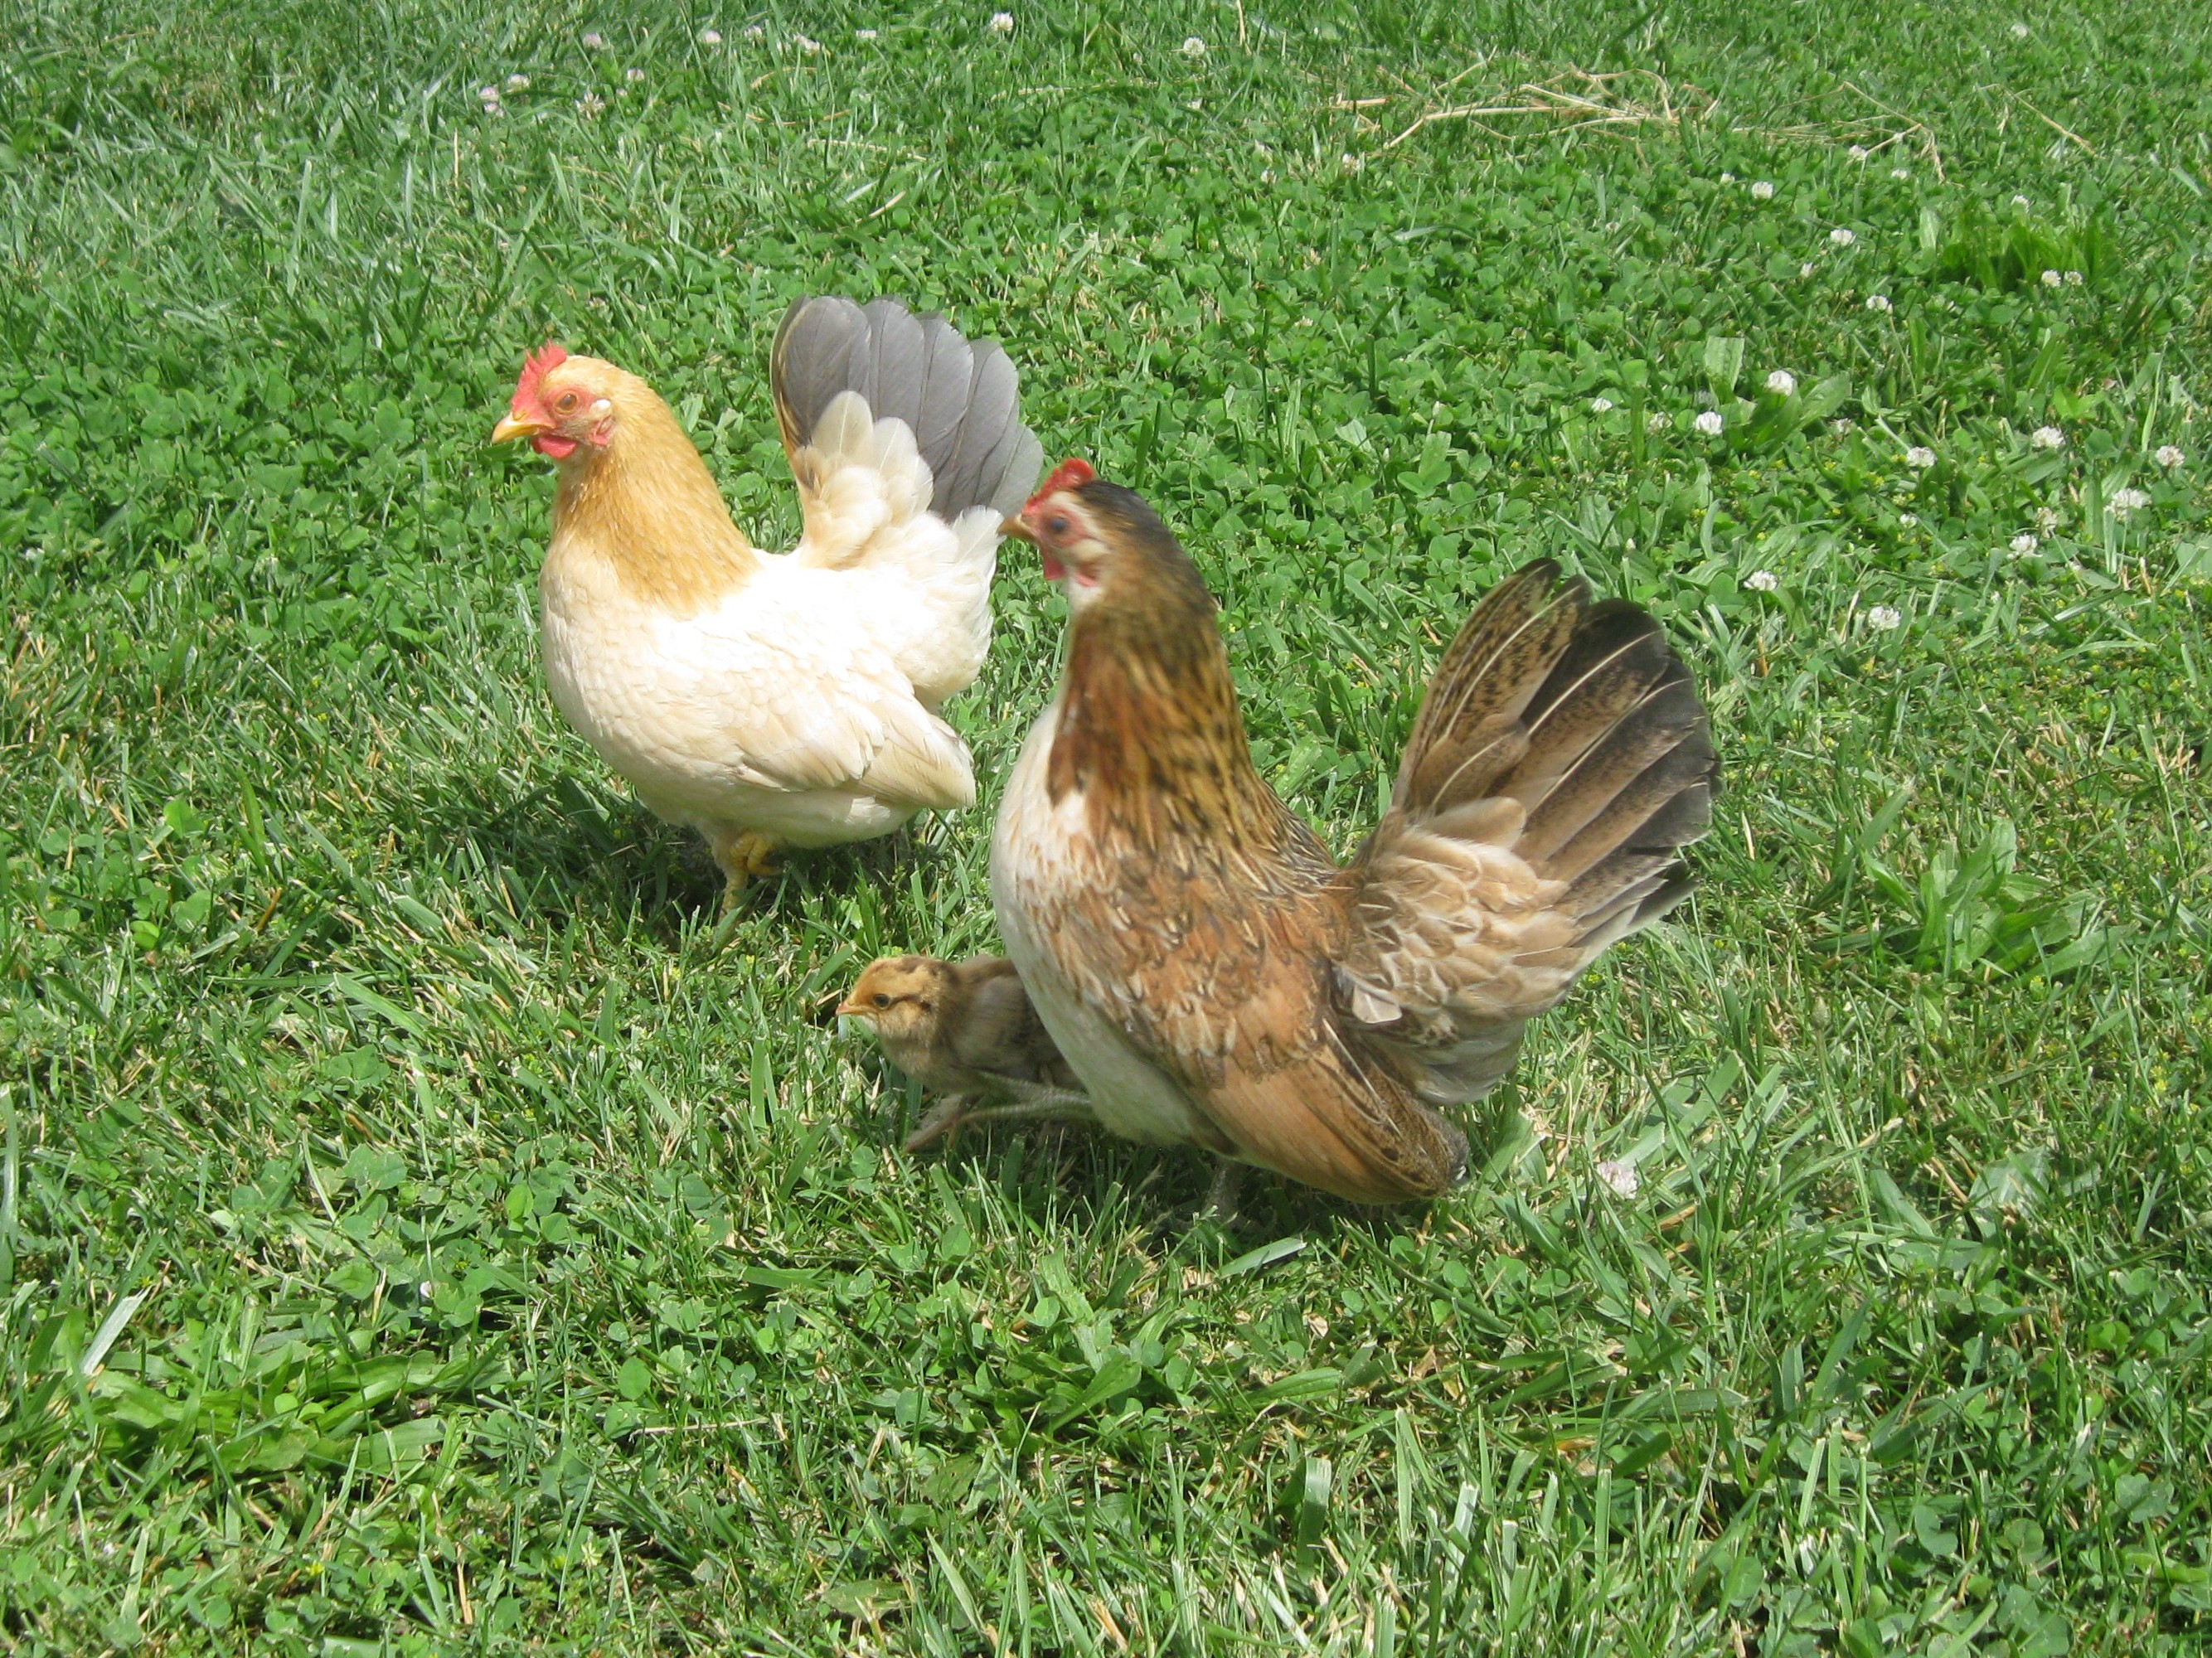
point(648, 507)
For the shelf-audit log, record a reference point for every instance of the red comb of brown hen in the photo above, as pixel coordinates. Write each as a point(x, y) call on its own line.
point(1066, 476)
point(535, 367)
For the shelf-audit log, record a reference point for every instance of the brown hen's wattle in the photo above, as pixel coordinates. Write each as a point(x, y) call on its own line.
point(1209, 972)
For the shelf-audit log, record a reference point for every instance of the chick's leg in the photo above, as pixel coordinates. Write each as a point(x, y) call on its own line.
point(944, 1118)
point(1036, 1104)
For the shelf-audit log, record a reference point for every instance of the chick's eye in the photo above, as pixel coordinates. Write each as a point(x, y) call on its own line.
point(567, 403)
point(882, 1000)
point(1057, 524)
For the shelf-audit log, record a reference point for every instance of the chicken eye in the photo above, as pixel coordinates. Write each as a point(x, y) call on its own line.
point(1057, 524)
point(882, 1000)
point(566, 403)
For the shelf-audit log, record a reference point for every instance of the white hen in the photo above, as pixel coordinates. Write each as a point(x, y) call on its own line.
point(772, 700)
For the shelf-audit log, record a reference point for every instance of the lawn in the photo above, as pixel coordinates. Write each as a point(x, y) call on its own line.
point(427, 1227)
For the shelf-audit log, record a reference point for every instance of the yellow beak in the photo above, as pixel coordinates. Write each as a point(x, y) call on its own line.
point(853, 1010)
point(1019, 530)
point(512, 427)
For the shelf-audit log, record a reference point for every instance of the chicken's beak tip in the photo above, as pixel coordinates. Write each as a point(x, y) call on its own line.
point(512, 427)
point(1020, 531)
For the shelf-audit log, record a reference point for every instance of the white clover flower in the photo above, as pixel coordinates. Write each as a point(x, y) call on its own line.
point(2126, 503)
point(2019, 31)
point(428, 1289)
point(1841, 426)
point(1620, 1178)
point(2023, 544)
point(2046, 437)
point(865, 34)
point(1600, 405)
point(517, 83)
point(1002, 22)
point(1350, 162)
point(2021, 202)
point(1728, 178)
point(633, 76)
point(710, 37)
point(754, 31)
point(1900, 172)
point(1883, 619)
point(1805, 270)
point(2169, 457)
point(2073, 279)
point(2045, 520)
point(1842, 237)
point(805, 44)
point(2051, 279)
point(1910, 520)
point(1918, 458)
point(1762, 581)
point(589, 104)
point(1267, 175)
point(1858, 152)
point(1193, 46)
point(1877, 301)
point(493, 108)
point(1762, 191)
point(1711, 423)
point(595, 41)
point(1781, 382)
point(1658, 424)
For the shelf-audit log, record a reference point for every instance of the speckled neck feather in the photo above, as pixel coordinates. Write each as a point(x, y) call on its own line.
point(1150, 732)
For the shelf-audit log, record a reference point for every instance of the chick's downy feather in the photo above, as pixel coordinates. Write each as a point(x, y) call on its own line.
point(789, 698)
point(1210, 973)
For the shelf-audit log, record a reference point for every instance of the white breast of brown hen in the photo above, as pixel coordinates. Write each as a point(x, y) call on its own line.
point(1044, 864)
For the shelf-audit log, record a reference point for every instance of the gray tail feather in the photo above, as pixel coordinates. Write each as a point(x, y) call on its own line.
point(961, 400)
point(1583, 714)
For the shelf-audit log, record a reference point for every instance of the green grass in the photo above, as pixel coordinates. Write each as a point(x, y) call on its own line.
point(424, 1230)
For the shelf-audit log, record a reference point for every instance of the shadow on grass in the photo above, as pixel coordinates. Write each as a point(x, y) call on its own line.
point(561, 850)
point(1070, 1173)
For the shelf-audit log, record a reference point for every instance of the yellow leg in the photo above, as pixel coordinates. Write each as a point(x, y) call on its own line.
point(740, 858)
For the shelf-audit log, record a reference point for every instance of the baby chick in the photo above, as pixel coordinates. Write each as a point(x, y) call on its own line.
point(966, 1032)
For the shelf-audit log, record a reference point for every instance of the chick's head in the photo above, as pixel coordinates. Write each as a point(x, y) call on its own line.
point(899, 999)
point(565, 405)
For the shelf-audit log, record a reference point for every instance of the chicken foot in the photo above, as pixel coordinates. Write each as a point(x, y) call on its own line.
point(740, 858)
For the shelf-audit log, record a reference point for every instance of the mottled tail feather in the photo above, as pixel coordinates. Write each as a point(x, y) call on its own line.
point(1583, 715)
point(961, 400)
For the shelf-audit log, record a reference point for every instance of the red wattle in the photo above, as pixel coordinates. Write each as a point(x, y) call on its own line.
point(1054, 569)
point(560, 448)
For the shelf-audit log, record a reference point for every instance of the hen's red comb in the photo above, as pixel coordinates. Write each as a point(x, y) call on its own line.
point(535, 367)
point(1066, 476)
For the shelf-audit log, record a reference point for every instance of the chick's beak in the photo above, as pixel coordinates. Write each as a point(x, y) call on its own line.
point(514, 426)
point(1019, 530)
point(852, 1010)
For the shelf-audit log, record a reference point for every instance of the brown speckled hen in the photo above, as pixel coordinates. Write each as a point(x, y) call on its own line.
point(1207, 968)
